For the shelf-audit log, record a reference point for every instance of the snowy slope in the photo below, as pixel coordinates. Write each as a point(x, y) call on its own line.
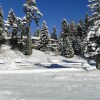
point(13, 59)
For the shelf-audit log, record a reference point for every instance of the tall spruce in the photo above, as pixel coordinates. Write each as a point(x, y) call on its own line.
point(1, 26)
point(13, 28)
point(65, 45)
point(1, 21)
point(44, 38)
point(79, 45)
point(73, 32)
point(53, 34)
point(28, 43)
point(11, 17)
point(72, 28)
point(31, 13)
point(94, 31)
point(37, 33)
point(86, 25)
point(80, 29)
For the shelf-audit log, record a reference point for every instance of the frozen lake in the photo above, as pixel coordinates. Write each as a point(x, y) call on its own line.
point(64, 85)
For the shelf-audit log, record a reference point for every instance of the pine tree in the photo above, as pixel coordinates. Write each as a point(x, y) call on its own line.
point(44, 38)
point(1, 26)
point(95, 9)
point(12, 20)
point(86, 25)
point(65, 45)
point(65, 29)
point(80, 29)
point(32, 13)
point(14, 36)
point(37, 33)
point(11, 17)
point(67, 50)
point(1, 21)
point(73, 31)
point(79, 46)
point(28, 43)
point(94, 31)
point(54, 35)
point(72, 28)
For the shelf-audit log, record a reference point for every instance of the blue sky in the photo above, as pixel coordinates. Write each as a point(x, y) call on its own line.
point(53, 10)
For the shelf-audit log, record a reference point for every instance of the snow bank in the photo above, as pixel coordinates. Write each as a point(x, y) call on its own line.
point(13, 59)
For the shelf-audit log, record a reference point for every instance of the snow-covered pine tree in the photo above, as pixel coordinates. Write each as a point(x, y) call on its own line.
point(79, 46)
point(1, 21)
point(14, 36)
point(53, 34)
point(86, 25)
point(32, 12)
point(44, 38)
point(28, 43)
point(11, 17)
point(94, 31)
point(37, 33)
point(67, 50)
point(65, 44)
point(73, 30)
point(80, 29)
point(83, 40)
point(12, 21)
point(65, 28)
point(1, 26)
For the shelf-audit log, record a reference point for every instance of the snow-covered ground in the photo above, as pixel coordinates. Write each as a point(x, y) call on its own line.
point(53, 85)
point(43, 77)
point(13, 59)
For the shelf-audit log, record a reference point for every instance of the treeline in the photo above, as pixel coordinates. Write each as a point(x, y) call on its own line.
point(18, 29)
point(72, 39)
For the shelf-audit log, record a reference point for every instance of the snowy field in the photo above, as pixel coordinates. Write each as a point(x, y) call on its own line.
point(53, 85)
point(15, 60)
point(46, 77)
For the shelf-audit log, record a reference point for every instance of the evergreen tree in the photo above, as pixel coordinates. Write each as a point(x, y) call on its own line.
point(32, 13)
point(94, 31)
point(28, 44)
point(86, 25)
point(54, 35)
point(65, 45)
point(1, 26)
point(11, 17)
point(79, 46)
point(80, 29)
point(65, 29)
point(73, 32)
point(14, 36)
point(95, 9)
point(1, 21)
point(37, 33)
point(12, 20)
point(72, 28)
point(67, 50)
point(44, 38)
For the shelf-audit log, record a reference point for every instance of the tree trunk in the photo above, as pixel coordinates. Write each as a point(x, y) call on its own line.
point(98, 62)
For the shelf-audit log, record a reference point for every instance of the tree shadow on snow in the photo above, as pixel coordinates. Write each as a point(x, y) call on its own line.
point(55, 66)
point(66, 61)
